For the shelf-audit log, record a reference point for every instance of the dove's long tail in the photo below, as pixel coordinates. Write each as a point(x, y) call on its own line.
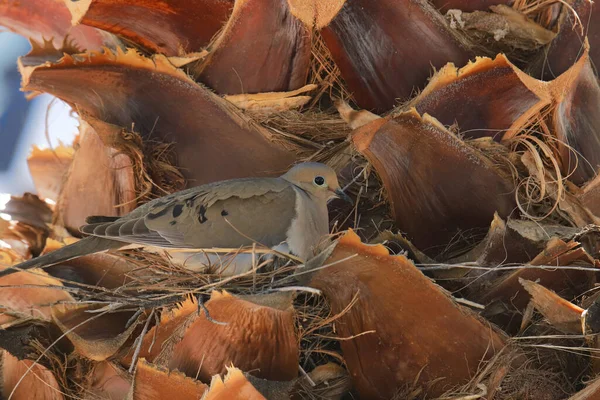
point(89, 245)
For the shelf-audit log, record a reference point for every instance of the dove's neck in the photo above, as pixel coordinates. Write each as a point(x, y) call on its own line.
point(309, 226)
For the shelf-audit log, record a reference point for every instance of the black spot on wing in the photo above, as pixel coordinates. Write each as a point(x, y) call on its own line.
point(158, 214)
point(202, 215)
point(224, 213)
point(177, 210)
point(172, 223)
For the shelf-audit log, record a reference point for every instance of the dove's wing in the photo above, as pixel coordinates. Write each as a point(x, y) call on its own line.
point(225, 214)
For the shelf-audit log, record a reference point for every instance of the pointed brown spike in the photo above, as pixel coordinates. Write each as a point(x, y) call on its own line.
point(386, 49)
point(467, 5)
point(152, 382)
point(172, 27)
point(95, 333)
point(235, 386)
point(26, 380)
point(420, 163)
point(262, 48)
point(112, 192)
point(562, 314)
point(485, 98)
point(125, 89)
point(391, 337)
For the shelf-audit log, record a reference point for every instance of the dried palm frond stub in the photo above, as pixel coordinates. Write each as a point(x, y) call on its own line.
point(590, 196)
point(152, 382)
point(502, 29)
point(27, 209)
point(48, 168)
point(261, 48)
point(25, 379)
point(258, 338)
point(273, 102)
point(112, 192)
point(419, 161)
point(390, 337)
point(385, 49)
point(107, 381)
point(329, 381)
point(49, 19)
point(577, 23)
point(562, 314)
point(467, 5)
point(546, 270)
point(24, 224)
point(173, 27)
point(485, 97)
point(23, 295)
point(514, 241)
point(575, 122)
point(105, 270)
point(126, 88)
point(495, 98)
point(96, 331)
point(591, 391)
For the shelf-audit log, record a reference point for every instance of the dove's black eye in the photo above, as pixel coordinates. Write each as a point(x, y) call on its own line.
point(319, 180)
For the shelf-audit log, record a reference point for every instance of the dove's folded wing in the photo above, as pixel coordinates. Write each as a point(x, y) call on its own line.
point(225, 214)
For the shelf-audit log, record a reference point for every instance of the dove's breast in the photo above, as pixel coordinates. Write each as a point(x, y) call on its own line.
point(308, 227)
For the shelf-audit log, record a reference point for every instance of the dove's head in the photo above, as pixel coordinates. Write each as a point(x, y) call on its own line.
point(317, 179)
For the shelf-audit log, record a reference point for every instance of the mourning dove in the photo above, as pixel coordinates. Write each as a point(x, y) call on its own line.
point(288, 213)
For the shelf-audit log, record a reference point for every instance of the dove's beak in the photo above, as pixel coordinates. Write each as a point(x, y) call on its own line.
point(341, 195)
